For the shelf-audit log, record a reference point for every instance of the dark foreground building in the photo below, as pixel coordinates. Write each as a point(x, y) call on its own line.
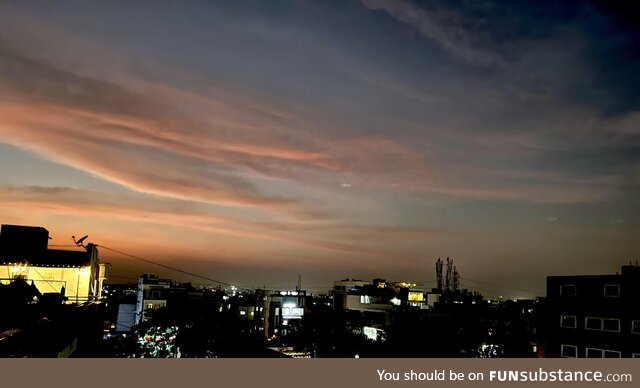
point(594, 316)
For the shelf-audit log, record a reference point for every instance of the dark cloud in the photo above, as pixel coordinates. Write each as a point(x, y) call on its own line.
point(483, 119)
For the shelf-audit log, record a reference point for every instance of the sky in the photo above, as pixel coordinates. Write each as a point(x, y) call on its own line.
point(252, 142)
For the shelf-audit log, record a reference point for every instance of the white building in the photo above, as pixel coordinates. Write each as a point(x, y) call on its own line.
point(77, 275)
point(153, 293)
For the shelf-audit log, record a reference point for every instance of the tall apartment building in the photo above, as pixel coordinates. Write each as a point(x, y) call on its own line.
point(594, 316)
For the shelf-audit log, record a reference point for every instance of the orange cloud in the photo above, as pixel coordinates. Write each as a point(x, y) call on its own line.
point(346, 238)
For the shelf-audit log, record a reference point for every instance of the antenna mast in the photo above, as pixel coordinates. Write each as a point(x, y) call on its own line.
point(439, 273)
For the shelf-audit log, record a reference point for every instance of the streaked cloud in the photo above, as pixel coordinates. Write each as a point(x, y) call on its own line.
point(441, 26)
point(352, 134)
point(346, 238)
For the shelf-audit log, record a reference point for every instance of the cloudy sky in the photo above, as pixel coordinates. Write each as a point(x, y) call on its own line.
point(254, 141)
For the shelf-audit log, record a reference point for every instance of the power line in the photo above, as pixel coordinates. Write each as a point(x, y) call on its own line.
point(501, 287)
point(122, 277)
point(492, 287)
point(492, 291)
point(166, 266)
point(189, 273)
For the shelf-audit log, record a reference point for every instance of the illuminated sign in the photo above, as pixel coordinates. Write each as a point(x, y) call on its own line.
point(292, 312)
point(371, 333)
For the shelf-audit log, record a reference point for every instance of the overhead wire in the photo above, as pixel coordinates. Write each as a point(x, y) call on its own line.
point(492, 287)
point(191, 273)
point(500, 286)
point(167, 266)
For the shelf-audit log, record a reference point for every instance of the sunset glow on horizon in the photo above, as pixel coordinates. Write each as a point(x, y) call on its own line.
point(255, 141)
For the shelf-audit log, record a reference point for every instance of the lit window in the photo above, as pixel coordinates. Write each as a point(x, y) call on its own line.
point(568, 290)
point(611, 290)
point(611, 324)
point(365, 299)
point(570, 351)
point(568, 321)
point(591, 323)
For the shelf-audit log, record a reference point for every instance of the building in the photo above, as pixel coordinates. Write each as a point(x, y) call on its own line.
point(372, 306)
point(379, 297)
point(283, 312)
point(77, 275)
point(342, 289)
point(593, 316)
point(153, 294)
point(126, 318)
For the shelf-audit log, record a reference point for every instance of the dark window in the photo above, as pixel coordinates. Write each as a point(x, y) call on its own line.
point(602, 353)
point(612, 290)
point(568, 290)
point(635, 327)
point(611, 324)
point(569, 351)
point(611, 354)
point(593, 323)
point(595, 353)
point(568, 321)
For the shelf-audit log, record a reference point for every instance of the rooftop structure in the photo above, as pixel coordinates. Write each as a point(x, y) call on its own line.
point(77, 275)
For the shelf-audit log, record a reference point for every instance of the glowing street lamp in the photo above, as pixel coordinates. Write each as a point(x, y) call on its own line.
point(18, 270)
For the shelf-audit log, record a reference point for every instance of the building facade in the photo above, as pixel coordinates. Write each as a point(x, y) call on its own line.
point(283, 311)
point(594, 316)
point(153, 294)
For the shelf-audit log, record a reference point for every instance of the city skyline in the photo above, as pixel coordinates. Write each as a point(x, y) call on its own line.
point(252, 142)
